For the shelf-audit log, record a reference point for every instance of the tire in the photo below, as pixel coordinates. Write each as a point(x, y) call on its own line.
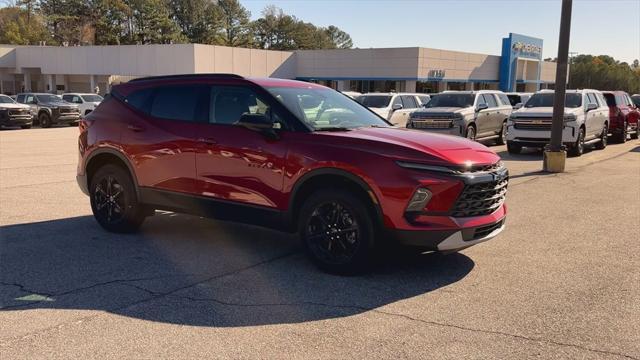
point(471, 132)
point(578, 148)
point(513, 148)
point(502, 138)
point(25, 126)
point(637, 133)
point(622, 136)
point(603, 138)
point(337, 231)
point(45, 120)
point(111, 189)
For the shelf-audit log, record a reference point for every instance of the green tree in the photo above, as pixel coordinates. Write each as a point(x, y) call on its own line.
point(68, 20)
point(112, 22)
point(339, 38)
point(604, 73)
point(18, 27)
point(199, 20)
point(150, 23)
point(235, 25)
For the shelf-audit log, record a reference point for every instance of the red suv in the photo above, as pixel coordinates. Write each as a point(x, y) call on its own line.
point(290, 155)
point(623, 115)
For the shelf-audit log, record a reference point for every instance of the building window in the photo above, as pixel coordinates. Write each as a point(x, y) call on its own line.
point(427, 87)
point(456, 85)
point(367, 86)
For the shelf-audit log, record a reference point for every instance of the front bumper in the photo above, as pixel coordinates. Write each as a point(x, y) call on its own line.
point(66, 118)
point(539, 138)
point(449, 240)
point(21, 120)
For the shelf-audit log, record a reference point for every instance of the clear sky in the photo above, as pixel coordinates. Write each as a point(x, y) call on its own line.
point(608, 27)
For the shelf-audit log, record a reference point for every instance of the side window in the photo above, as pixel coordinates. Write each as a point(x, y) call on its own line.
point(591, 99)
point(229, 103)
point(504, 99)
point(140, 99)
point(66, 98)
point(628, 100)
point(424, 99)
point(409, 102)
point(396, 101)
point(30, 99)
point(491, 100)
point(179, 102)
point(20, 98)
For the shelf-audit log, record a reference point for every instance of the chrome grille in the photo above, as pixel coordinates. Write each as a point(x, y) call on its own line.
point(481, 199)
point(432, 124)
point(542, 124)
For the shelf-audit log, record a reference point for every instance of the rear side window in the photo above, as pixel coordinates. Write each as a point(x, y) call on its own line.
point(424, 99)
point(178, 102)
point(140, 99)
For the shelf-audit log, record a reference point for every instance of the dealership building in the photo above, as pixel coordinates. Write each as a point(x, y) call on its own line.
point(413, 69)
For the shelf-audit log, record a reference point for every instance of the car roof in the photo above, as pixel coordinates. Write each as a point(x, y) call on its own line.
point(615, 92)
point(572, 91)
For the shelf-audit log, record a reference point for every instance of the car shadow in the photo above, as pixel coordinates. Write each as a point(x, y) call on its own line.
point(192, 271)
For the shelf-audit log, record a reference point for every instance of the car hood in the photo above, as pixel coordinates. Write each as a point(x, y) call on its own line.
point(423, 146)
point(543, 111)
point(14, 106)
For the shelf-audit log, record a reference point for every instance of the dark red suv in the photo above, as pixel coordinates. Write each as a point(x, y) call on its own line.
point(623, 115)
point(290, 155)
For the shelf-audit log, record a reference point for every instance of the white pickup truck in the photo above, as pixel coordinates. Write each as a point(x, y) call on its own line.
point(586, 118)
point(86, 102)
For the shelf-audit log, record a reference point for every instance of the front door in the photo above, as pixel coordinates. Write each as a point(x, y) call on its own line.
point(234, 163)
point(484, 118)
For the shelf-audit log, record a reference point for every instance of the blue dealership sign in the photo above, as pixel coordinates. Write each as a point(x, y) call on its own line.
point(516, 47)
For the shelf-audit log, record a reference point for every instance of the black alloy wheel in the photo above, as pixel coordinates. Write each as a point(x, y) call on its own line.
point(45, 120)
point(603, 138)
point(337, 232)
point(113, 200)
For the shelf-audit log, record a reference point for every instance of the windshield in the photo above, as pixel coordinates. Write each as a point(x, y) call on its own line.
point(374, 101)
point(451, 100)
point(48, 98)
point(6, 100)
point(325, 108)
point(514, 99)
point(92, 98)
point(546, 100)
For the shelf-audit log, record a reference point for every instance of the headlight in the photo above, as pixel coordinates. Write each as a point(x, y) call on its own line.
point(54, 108)
point(418, 166)
point(458, 116)
point(570, 118)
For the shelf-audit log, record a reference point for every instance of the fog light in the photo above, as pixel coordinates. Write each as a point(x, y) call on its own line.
point(419, 200)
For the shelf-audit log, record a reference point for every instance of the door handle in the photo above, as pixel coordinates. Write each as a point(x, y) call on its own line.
point(209, 141)
point(135, 128)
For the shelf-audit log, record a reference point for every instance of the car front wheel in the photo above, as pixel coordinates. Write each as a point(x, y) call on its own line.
point(471, 132)
point(113, 200)
point(578, 148)
point(45, 120)
point(337, 232)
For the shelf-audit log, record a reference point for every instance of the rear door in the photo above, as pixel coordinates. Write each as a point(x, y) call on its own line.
point(234, 163)
point(159, 135)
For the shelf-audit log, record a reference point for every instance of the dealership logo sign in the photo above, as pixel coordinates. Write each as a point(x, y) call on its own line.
point(527, 49)
point(438, 74)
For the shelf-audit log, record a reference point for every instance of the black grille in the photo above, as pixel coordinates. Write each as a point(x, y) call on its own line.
point(486, 230)
point(67, 110)
point(485, 168)
point(19, 112)
point(481, 199)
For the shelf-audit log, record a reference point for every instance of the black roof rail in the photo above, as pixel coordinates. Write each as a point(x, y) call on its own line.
point(189, 76)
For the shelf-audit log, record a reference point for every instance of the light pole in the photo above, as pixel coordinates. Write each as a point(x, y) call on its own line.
point(555, 155)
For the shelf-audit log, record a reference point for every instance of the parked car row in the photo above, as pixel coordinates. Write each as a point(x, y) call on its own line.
point(516, 119)
point(44, 109)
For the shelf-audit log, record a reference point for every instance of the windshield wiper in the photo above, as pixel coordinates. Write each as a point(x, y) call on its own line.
point(333, 128)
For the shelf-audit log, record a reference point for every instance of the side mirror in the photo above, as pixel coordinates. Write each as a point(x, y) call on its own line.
point(256, 122)
point(396, 107)
point(482, 106)
point(591, 106)
point(517, 106)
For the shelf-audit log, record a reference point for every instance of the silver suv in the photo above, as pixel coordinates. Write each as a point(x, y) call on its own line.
point(476, 115)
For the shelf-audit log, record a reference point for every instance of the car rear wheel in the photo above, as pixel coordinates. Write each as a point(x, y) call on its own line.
point(45, 120)
point(502, 138)
point(337, 232)
point(113, 200)
point(578, 148)
point(635, 134)
point(622, 135)
point(603, 138)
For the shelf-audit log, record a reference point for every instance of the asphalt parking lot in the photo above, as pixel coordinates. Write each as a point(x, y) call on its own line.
point(562, 281)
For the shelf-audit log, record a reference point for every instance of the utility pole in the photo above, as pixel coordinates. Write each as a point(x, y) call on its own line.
point(555, 155)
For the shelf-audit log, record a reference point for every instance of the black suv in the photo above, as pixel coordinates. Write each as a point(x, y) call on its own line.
point(50, 109)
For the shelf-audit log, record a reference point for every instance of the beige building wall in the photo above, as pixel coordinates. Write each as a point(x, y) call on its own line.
point(458, 65)
point(245, 62)
point(391, 63)
point(548, 73)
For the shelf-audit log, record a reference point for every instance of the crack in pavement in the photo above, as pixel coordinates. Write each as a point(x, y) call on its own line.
point(411, 318)
point(153, 297)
